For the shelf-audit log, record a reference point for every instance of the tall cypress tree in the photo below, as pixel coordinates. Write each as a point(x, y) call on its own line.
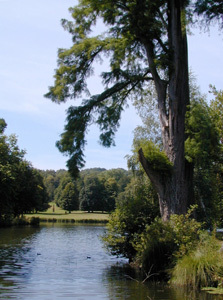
point(145, 40)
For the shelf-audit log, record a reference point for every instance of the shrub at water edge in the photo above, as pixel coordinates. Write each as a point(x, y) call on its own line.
point(202, 267)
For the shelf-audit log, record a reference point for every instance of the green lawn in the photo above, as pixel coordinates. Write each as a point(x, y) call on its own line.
point(57, 214)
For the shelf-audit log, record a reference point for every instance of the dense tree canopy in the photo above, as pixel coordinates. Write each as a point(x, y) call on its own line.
point(92, 194)
point(94, 189)
point(203, 147)
point(21, 186)
point(70, 197)
point(137, 207)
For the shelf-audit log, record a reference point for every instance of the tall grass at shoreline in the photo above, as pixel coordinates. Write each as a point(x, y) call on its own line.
point(202, 267)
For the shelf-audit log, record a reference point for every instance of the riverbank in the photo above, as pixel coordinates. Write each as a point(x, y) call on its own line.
point(55, 214)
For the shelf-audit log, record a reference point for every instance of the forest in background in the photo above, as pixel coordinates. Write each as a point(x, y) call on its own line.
point(95, 189)
point(24, 189)
point(135, 229)
point(176, 161)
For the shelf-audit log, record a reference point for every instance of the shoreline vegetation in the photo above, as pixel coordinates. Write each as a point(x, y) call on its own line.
point(182, 251)
point(201, 271)
point(55, 214)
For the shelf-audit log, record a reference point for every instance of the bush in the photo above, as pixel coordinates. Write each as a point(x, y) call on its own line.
point(20, 221)
point(136, 207)
point(187, 232)
point(161, 244)
point(155, 247)
point(179, 248)
point(156, 158)
point(34, 221)
point(5, 220)
point(202, 267)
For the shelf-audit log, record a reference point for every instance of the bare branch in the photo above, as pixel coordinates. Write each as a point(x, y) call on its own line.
point(162, 45)
point(162, 18)
point(148, 275)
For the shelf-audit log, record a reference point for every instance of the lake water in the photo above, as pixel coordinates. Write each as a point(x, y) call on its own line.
point(69, 262)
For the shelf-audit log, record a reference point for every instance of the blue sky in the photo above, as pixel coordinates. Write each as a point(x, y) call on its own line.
point(30, 34)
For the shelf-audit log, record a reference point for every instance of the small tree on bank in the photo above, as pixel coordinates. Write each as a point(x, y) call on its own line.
point(69, 199)
point(21, 186)
point(145, 41)
point(92, 195)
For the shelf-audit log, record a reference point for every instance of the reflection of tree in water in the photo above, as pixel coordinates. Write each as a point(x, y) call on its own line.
point(120, 286)
point(182, 294)
point(124, 283)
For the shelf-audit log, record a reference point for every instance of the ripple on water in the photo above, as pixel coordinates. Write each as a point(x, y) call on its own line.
point(68, 262)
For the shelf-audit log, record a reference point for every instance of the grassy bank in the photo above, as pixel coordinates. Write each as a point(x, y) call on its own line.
point(56, 214)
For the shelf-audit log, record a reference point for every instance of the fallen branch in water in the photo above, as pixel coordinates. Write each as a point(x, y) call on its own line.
point(127, 276)
point(148, 275)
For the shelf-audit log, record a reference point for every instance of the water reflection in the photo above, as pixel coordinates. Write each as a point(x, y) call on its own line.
point(124, 283)
point(69, 262)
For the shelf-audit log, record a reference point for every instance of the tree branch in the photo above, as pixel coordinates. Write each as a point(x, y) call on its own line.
point(135, 84)
point(163, 20)
point(165, 49)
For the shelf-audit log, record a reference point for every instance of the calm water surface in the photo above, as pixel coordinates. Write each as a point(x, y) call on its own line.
point(69, 262)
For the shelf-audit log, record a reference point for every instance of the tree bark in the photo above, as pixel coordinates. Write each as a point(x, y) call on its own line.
point(175, 189)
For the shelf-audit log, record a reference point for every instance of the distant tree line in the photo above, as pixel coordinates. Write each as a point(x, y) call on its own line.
point(24, 189)
point(21, 186)
point(95, 189)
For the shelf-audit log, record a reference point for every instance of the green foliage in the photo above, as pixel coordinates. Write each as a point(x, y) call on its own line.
point(136, 207)
point(92, 195)
point(10, 160)
point(212, 10)
point(217, 110)
point(134, 31)
point(155, 247)
point(100, 188)
point(32, 195)
point(34, 221)
point(216, 107)
point(155, 157)
point(51, 181)
point(114, 181)
point(203, 148)
point(202, 267)
point(160, 244)
point(69, 199)
point(111, 192)
point(3, 125)
point(21, 186)
point(186, 232)
point(66, 195)
point(107, 185)
point(203, 138)
point(63, 182)
point(120, 176)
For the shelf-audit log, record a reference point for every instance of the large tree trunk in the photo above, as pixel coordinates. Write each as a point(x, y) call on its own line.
point(174, 189)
